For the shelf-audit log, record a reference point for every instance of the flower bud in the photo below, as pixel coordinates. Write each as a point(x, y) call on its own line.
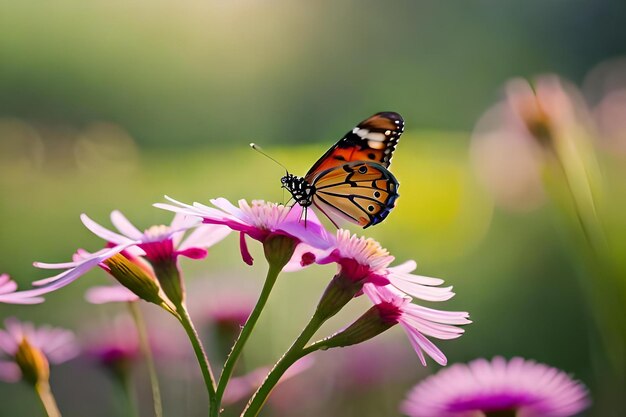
point(134, 278)
point(338, 293)
point(373, 322)
point(32, 362)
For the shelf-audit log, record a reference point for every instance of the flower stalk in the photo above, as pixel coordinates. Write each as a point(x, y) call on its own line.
point(278, 251)
point(146, 350)
point(47, 399)
point(293, 354)
point(338, 293)
point(203, 361)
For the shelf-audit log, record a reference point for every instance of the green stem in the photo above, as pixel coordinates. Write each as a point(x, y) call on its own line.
point(235, 353)
point(606, 302)
point(295, 352)
point(144, 345)
point(129, 395)
point(198, 349)
point(47, 399)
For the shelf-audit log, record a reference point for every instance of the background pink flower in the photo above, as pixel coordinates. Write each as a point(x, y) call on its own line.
point(523, 387)
point(58, 345)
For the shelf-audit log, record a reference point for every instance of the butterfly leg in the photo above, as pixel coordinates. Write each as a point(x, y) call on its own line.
point(306, 210)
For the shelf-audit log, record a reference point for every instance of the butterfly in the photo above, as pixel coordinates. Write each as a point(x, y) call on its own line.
point(351, 181)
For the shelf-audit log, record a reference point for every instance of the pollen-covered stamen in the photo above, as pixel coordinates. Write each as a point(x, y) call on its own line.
point(366, 252)
point(157, 232)
point(262, 214)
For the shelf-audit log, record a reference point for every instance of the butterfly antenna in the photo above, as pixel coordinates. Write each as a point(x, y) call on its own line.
point(260, 150)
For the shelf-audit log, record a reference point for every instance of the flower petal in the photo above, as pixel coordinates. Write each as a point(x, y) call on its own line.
point(122, 224)
point(103, 232)
point(245, 253)
point(205, 236)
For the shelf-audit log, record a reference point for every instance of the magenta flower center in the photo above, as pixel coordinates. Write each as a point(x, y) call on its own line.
point(160, 246)
point(389, 312)
point(493, 402)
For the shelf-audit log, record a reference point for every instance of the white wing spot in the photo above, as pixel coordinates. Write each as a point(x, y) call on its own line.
point(375, 136)
point(362, 133)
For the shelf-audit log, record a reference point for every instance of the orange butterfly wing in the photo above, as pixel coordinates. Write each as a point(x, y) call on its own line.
point(361, 192)
point(373, 140)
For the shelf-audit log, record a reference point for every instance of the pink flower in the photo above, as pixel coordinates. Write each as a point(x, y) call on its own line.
point(516, 137)
point(391, 289)
point(8, 289)
point(158, 244)
point(258, 220)
point(364, 259)
point(518, 387)
point(417, 321)
point(115, 347)
point(229, 308)
point(55, 344)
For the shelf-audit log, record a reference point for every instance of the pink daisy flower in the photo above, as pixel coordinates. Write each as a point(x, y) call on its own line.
point(55, 344)
point(258, 220)
point(417, 321)
point(366, 263)
point(157, 245)
point(364, 259)
point(519, 387)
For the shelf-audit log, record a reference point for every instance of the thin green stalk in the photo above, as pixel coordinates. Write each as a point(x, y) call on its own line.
point(198, 349)
point(47, 399)
point(295, 352)
point(144, 345)
point(235, 353)
point(129, 395)
point(606, 303)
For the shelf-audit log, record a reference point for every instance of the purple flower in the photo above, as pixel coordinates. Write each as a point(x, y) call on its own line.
point(258, 220)
point(25, 351)
point(519, 387)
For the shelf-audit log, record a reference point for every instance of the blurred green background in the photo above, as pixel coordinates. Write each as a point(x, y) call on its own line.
point(110, 105)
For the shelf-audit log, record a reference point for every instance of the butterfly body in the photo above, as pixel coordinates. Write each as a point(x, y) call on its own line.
point(301, 191)
point(351, 180)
